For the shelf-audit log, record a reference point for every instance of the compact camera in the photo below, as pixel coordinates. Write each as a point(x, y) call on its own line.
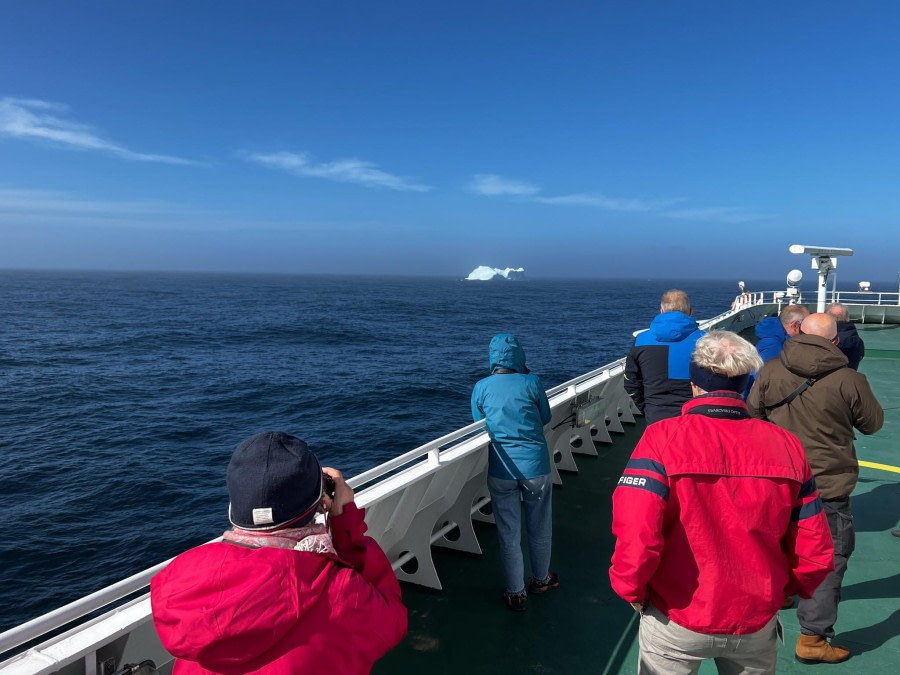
point(328, 485)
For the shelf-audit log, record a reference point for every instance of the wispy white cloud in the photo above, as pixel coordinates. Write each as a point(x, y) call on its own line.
point(27, 207)
point(36, 120)
point(17, 200)
point(342, 170)
point(491, 184)
point(19, 206)
point(717, 214)
point(608, 203)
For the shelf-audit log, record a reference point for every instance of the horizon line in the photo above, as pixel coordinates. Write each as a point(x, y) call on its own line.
point(395, 275)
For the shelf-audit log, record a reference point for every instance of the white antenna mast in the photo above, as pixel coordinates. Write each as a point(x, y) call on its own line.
point(824, 260)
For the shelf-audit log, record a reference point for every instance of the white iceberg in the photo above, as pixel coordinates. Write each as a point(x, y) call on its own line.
point(485, 273)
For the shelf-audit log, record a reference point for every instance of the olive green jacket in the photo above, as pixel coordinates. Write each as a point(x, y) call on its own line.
point(824, 416)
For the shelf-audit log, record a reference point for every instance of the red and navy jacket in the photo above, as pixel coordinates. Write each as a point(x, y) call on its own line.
point(717, 518)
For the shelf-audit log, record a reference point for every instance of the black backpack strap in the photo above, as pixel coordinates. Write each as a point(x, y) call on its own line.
point(794, 394)
point(799, 390)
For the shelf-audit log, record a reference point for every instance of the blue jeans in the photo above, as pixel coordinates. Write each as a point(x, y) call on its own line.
point(507, 497)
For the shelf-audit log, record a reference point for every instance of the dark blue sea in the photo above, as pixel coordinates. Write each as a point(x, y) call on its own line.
point(122, 395)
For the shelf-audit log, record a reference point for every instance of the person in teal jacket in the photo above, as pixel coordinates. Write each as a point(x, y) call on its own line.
point(515, 408)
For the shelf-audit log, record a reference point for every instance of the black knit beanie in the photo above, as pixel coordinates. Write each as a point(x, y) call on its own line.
point(273, 480)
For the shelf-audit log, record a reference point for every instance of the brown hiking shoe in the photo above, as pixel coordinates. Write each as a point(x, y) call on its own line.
point(813, 649)
point(515, 601)
point(551, 582)
point(788, 603)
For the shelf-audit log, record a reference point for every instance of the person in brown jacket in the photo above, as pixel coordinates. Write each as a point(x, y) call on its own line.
point(810, 391)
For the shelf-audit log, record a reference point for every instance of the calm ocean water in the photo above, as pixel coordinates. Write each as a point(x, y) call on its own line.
point(123, 394)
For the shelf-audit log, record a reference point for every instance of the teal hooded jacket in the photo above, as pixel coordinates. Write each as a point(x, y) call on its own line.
point(515, 409)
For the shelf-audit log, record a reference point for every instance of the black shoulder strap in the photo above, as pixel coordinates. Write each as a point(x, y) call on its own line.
point(799, 390)
point(794, 394)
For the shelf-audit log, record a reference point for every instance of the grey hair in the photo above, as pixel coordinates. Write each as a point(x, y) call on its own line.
point(793, 313)
point(675, 300)
point(838, 311)
point(726, 353)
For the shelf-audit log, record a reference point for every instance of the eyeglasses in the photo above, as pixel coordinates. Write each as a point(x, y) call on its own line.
point(833, 340)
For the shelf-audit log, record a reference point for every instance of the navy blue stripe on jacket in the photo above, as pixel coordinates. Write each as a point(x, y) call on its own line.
point(647, 465)
point(808, 510)
point(657, 487)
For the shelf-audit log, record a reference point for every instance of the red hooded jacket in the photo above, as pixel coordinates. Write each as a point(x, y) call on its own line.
point(228, 609)
point(717, 518)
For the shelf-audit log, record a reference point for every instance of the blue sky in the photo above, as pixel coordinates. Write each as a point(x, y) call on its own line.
point(646, 139)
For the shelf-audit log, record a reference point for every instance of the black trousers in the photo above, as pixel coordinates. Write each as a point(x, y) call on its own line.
point(818, 615)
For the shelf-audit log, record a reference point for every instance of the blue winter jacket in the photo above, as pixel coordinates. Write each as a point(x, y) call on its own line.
point(657, 369)
point(772, 337)
point(515, 409)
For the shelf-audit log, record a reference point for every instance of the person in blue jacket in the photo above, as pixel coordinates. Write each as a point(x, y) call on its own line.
point(657, 374)
point(773, 331)
point(770, 336)
point(514, 406)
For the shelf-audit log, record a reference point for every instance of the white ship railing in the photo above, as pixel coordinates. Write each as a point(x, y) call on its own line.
point(865, 298)
point(423, 498)
point(428, 496)
point(844, 297)
point(862, 306)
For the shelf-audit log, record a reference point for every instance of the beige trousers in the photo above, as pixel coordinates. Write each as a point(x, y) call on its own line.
point(670, 649)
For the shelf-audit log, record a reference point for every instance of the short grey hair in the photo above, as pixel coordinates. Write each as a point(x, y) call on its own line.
point(793, 313)
point(725, 353)
point(675, 300)
point(838, 311)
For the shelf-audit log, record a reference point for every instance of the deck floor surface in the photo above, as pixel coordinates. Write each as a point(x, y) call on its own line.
point(583, 627)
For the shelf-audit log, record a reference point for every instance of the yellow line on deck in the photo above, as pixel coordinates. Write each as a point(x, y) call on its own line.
point(883, 467)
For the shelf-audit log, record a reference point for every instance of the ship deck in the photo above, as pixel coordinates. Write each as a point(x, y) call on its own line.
point(584, 627)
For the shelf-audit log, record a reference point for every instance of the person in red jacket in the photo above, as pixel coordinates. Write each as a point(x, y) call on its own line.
point(281, 594)
point(717, 518)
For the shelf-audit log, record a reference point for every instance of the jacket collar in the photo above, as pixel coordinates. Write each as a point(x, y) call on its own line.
point(726, 405)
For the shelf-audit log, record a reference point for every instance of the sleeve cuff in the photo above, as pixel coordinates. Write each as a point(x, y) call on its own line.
point(349, 526)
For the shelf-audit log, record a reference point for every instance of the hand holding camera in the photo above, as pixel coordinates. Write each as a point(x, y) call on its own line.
point(337, 492)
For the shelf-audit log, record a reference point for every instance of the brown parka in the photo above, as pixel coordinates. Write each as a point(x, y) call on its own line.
point(824, 415)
